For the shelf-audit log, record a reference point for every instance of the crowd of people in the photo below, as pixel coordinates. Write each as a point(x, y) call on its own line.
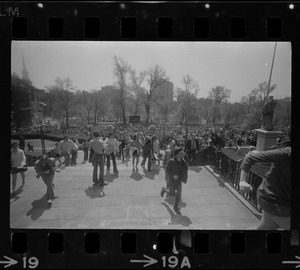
point(180, 148)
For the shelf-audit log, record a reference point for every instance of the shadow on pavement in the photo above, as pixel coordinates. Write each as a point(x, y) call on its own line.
point(171, 200)
point(39, 207)
point(196, 169)
point(177, 219)
point(94, 192)
point(15, 197)
point(218, 177)
point(109, 177)
point(136, 176)
point(149, 175)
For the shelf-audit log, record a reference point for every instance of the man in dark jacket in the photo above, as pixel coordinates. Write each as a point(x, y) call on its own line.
point(177, 170)
point(192, 147)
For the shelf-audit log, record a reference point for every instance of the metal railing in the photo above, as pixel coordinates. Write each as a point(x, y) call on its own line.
point(229, 170)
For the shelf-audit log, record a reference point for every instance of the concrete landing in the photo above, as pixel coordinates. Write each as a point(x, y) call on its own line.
point(130, 201)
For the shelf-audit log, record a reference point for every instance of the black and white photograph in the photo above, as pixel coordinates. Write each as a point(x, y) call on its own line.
point(150, 135)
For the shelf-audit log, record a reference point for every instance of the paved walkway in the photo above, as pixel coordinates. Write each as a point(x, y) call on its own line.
point(130, 201)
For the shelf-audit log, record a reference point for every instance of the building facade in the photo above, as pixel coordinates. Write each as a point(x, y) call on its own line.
point(25, 105)
point(165, 91)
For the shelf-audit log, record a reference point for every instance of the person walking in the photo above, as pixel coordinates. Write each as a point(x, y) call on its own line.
point(274, 193)
point(191, 147)
point(64, 148)
point(122, 145)
point(56, 154)
point(30, 146)
point(112, 148)
point(45, 168)
point(147, 153)
point(74, 152)
point(169, 154)
point(136, 146)
point(97, 150)
point(85, 149)
point(156, 148)
point(177, 170)
point(17, 165)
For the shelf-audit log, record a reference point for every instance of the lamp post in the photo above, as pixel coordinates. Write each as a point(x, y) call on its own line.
point(42, 141)
point(163, 122)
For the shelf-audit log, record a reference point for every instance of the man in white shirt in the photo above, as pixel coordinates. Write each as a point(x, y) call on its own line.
point(97, 150)
point(64, 149)
point(17, 165)
point(112, 148)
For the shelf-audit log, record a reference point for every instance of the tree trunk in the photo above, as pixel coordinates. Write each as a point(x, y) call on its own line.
point(124, 116)
point(67, 118)
point(147, 107)
point(136, 108)
point(95, 117)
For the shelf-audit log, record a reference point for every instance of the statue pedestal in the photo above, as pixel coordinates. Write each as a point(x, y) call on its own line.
point(265, 139)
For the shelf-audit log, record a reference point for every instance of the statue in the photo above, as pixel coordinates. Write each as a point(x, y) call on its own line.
point(267, 112)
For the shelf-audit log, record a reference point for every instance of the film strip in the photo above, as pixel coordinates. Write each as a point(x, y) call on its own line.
point(147, 21)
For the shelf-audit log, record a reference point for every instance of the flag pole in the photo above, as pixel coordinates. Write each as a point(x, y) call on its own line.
point(269, 83)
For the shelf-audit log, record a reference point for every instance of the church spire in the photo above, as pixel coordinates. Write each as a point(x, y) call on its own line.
point(25, 74)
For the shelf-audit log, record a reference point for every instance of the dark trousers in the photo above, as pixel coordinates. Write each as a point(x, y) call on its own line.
point(86, 154)
point(121, 151)
point(191, 154)
point(73, 157)
point(48, 180)
point(97, 161)
point(67, 158)
point(113, 158)
point(145, 156)
point(178, 190)
point(175, 186)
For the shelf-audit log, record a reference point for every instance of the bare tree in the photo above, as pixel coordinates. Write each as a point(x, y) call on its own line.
point(250, 100)
point(63, 91)
point(155, 77)
point(98, 102)
point(120, 71)
point(187, 97)
point(137, 90)
point(87, 105)
point(262, 91)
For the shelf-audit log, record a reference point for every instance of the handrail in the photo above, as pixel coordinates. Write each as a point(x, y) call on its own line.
point(229, 170)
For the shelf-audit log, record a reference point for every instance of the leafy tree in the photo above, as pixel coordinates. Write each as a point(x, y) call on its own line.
point(219, 94)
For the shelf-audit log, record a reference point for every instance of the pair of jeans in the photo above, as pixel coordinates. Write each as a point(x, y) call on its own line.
point(97, 161)
point(73, 157)
point(145, 156)
point(177, 187)
point(86, 154)
point(48, 180)
point(67, 158)
point(113, 158)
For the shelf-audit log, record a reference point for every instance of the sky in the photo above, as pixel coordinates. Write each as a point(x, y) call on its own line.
point(238, 66)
